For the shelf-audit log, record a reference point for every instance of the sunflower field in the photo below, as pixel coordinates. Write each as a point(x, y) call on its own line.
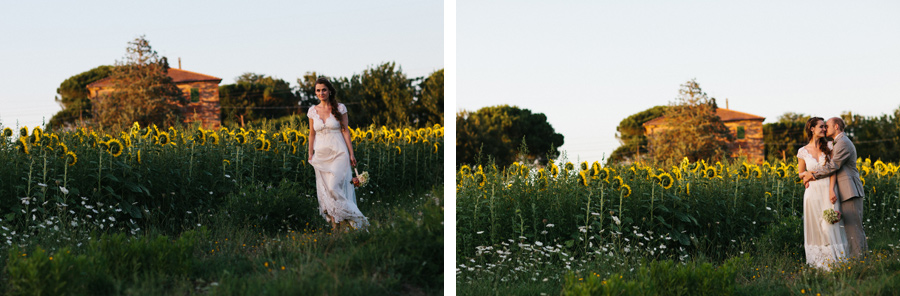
point(523, 224)
point(64, 189)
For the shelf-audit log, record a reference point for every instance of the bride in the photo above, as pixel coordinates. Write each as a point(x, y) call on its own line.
point(825, 243)
point(331, 155)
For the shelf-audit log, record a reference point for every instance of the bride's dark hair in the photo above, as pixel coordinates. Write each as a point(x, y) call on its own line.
point(823, 144)
point(332, 98)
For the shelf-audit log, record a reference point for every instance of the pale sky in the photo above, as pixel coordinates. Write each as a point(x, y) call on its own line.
point(589, 64)
point(42, 43)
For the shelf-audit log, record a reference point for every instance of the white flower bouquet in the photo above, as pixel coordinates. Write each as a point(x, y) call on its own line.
point(361, 179)
point(831, 216)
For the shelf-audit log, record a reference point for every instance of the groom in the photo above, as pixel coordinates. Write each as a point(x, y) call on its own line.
point(849, 187)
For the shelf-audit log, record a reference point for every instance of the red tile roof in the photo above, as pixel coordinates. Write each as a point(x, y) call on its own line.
point(727, 115)
point(178, 76)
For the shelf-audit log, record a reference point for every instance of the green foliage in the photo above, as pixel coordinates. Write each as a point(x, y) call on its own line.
point(110, 258)
point(73, 97)
point(782, 139)
point(663, 278)
point(693, 129)
point(498, 131)
point(143, 92)
point(630, 133)
point(784, 235)
point(279, 207)
point(876, 137)
point(383, 95)
point(256, 96)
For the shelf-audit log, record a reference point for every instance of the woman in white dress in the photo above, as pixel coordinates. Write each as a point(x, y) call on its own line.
point(825, 243)
point(331, 155)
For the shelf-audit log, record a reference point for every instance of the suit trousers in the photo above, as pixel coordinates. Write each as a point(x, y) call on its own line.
point(852, 214)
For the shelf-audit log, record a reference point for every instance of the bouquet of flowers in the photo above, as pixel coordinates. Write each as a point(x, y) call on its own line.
point(831, 216)
point(361, 179)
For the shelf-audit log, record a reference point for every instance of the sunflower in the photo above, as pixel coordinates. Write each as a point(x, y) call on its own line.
point(115, 147)
point(554, 170)
point(465, 170)
point(439, 133)
point(251, 134)
point(23, 131)
point(22, 144)
point(163, 139)
point(595, 168)
point(103, 145)
point(666, 180)
point(756, 173)
point(480, 178)
point(7, 132)
point(618, 181)
point(139, 156)
point(294, 148)
point(63, 149)
point(226, 162)
point(710, 172)
point(781, 172)
point(626, 189)
point(200, 137)
point(569, 166)
point(71, 158)
point(370, 136)
point(603, 174)
point(259, 144)
point(688, 188)
point(865, 171)
point(398, 149)
point(213, 138)
point(880, 168)
point(745, 170)
point(241, 138)
point(585, 166)
point(583, 178)
point(267, 145)
point(863, 180)
point(435, 147)
point(542, 174)
point(292, 136)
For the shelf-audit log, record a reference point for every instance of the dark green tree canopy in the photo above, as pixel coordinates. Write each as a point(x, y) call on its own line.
point(73, 97)
point(383, 95)
point(256, 96)
point(630, 133)
point(498, 131)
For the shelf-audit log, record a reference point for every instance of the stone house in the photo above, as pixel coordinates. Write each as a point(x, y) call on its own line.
point(200, 90)
point(747, 130)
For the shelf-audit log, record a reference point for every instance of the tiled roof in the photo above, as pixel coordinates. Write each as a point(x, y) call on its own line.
point(727, 115)
point(178, 76)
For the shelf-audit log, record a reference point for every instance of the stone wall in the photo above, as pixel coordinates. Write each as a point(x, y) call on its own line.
point(208, 110)
point(751, 145)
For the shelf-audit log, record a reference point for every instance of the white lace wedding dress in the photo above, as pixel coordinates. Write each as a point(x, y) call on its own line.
point(825, 243)
point(331, 161)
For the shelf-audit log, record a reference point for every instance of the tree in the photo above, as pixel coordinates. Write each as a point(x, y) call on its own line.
point(142, 91)
point(784, 137)
point(498, 131)
point(793, 117)
point(257, 96)
point(429, 106)
point(631, 134)
point(382, 95)
point(693, 129)
point(73, 97)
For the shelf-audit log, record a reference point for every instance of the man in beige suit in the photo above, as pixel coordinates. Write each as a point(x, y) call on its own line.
point(848, 185)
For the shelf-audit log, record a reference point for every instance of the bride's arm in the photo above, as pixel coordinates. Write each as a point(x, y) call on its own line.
point(801, 166)
point(345, 131)
point(312, 139)
point(831, 194)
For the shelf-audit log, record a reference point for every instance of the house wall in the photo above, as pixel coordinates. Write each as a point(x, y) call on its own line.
point(208, 110)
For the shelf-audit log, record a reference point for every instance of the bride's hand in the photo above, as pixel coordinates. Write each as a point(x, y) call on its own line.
point(352, 160)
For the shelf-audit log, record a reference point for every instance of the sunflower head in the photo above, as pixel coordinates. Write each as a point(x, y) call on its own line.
point(164, 139)
point(666, 180)
point(756, 173)
point(554, 170)
point(241, 138)
point(465, 170)
point(583, 178)
point(71, 158)
point(618, 182)
point(603, 174)
point(569, 166)
point(863, 180)
point(200, 137)
point(7, 132)
point(259, 144)
point(22, 145)
point(115, 147)
point(213, 138)
point(480, 178)
point(585, 166)
point(626, 190)
point(710, 172)
point(267, 145)
point(23, 131)
point(62, 148)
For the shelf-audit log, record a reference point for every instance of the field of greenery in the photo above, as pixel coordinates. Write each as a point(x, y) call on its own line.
point(694, 228)
point(172, 210)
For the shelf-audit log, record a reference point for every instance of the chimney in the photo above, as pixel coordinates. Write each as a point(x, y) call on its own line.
point(726, 99)
point(179, 68)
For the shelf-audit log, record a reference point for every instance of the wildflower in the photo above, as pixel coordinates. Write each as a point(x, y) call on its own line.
point(63, 190)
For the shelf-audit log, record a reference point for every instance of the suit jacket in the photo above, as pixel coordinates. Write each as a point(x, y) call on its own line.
point(843, 166)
